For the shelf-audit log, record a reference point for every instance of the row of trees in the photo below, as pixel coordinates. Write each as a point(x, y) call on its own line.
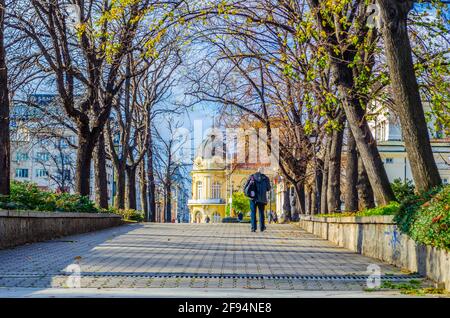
point(318, 70)
point(311, 68)
point(112, 67)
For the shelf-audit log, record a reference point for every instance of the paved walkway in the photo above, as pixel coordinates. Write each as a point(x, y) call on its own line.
point(219, 256)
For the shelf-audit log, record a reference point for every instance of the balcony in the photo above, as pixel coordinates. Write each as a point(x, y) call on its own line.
point(206, 201)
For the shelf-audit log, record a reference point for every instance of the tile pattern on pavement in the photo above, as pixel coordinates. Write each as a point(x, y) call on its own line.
point(189, 256)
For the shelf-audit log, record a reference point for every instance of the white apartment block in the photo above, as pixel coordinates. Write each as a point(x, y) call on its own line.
point(386, 130)
point(44, 152)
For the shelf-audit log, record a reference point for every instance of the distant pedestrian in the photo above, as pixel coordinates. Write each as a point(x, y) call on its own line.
point(207, 220)
point(256, 189)
point(270, 217)
point(275, 217)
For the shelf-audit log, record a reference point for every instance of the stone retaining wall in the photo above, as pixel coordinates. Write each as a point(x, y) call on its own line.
point(378, 237)
point(21, 227)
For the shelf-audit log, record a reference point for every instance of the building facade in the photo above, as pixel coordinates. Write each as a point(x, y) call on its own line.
point(43, 151)
point(213, 183)
point(386, 130)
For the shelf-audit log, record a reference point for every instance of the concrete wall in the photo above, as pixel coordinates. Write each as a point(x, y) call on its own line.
point(378, 237)
point(21, 227)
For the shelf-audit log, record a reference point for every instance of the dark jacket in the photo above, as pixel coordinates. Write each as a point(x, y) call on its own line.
point(262, 186)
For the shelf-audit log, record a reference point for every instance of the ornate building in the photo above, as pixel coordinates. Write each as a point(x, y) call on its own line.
point(214, 181)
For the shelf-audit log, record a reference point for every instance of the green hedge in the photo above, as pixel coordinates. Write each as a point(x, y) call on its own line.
point(426, 217)
point(390, 209)
point(27, 196)
point(127, 214)
point(402, 189)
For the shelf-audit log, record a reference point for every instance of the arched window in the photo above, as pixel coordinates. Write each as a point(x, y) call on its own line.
point(198, 217)
point(216, 190)
point(199, 190)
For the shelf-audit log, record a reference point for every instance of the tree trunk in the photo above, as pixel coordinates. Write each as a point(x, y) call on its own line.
point(365, 192)
point(168, 204)
point(119, 200)
point(308, 201)
point(299, 201)
point(151, 179)
point(313, 205)
point(101, 179)
point(287, 204)
point(317, 187)
point(85, 151)
point(131, 188)
point(408, 103)
point(5, 147)
point(334, 170)
point(351, 175)
point(365, 142)
point(143, 186)
point(323, 197)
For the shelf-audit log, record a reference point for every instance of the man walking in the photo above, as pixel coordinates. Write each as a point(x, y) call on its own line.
point(256, 189)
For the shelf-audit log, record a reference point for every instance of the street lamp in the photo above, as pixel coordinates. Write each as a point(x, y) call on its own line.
point(313, 140)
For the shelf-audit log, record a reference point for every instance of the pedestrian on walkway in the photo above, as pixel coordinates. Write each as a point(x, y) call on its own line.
point(270, 216)
point(256, 189)
point(275, 217)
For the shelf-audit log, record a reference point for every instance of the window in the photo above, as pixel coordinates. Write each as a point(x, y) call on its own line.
point(199, 190)
point(21, 156)
point(64, 159)
point(41, 173)
point(66, 174)
point(42, 156)
point(21, 173)
point(216, 190)
point(389, 160)
point(64, 143)
point(43, 140)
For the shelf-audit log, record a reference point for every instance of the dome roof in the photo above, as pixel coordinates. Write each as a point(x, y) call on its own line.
point(211, 154)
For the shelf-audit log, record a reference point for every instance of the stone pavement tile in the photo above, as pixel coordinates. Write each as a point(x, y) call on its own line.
point(284, 284)
point(158, 282)
point(199, 283)
point(189, 249)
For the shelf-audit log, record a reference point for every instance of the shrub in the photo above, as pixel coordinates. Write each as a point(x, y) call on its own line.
point(390, 209)
point(230, 220)
point(240, 204)
point(71, 202)
point(128, 215)
point(402, 189)
point(426, 217)
point(28, 196)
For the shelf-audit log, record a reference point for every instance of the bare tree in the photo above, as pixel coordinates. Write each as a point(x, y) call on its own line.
point(59, 165)
point(5, 151)
point(81, 62)
point(168, 160)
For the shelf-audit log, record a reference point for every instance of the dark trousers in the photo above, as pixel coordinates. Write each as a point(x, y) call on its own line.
point(260, 206)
